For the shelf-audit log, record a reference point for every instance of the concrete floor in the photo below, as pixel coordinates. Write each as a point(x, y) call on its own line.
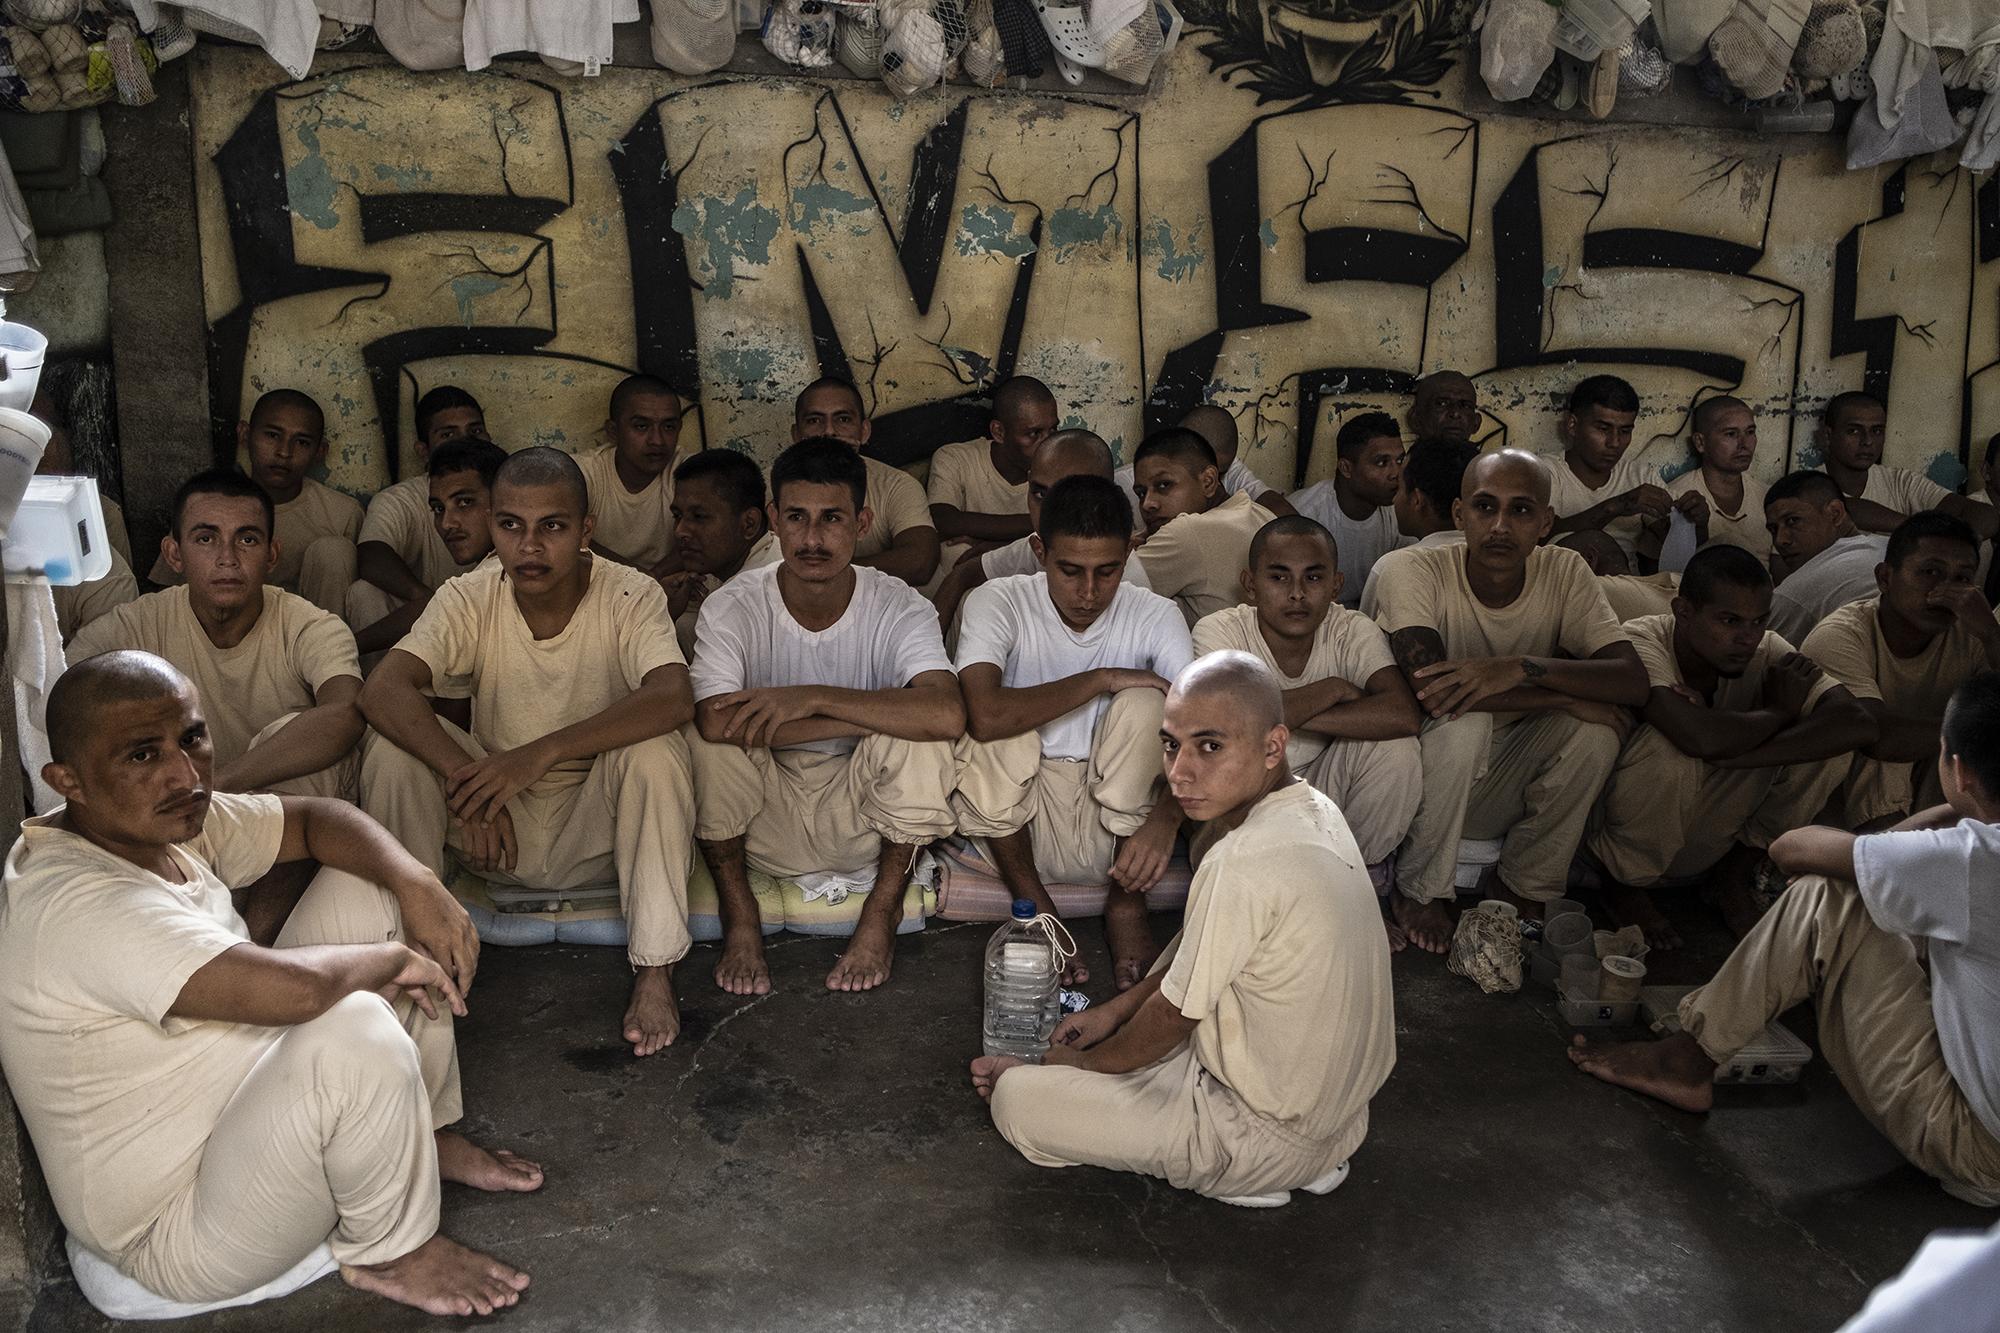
point(817, 1162)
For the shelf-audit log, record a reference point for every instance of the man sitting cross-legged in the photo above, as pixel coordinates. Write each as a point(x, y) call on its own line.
point(1352, 718)
point(826, 709)
point(719, 529)
point(400, 560)
point(631, 479)
point(1744, 739)
point(902, 538)
point(1893, 940)
point(1196, 538)
point(457, 494)
point(209, 1111)
point(572, 775)
point(1514, 654)
point(1064, 673)
point(1903, 652)
point(1067, 453)
point(1243, 1065)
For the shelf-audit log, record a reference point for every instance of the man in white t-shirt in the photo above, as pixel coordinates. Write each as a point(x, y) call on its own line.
point(902, 537)
point(1599, 482)
point(978, 489)
point(1216, 426)
point(1919, 1053)
point(719, 528)
point(1357, 504)
point(826, 710)
point(1064, 674)
point(631, 478)
point(1067, 453)
point(1352, 716)
point(1433, 474)
point(1853, 432)
point(1822, 560)
point(573, 778)
point(399, 558)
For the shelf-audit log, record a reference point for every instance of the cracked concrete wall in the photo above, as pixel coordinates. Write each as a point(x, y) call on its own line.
point(371, 232)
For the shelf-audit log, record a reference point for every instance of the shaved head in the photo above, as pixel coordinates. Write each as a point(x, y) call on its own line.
point(1516, 463)
point(1214, 425)
point(1708, 409)
point(83, 692)
point(1075, 453)
point(542, 466)
point(1599, 549)
point(1246, 685)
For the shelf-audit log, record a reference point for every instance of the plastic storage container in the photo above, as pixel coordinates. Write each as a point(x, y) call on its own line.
point(1023, 991)
point(59, 532)
point(1596, 1013)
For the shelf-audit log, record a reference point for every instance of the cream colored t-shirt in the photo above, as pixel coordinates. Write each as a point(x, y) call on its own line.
point(1371, 594)
point(1850, 646)
point(1568, 495)
point(78, 604)
point(1560, 609)
point(1745, 528)
point(400, 518)
point(639, 526)
point(114, 527)
point(318, 511)
point(1347, 644)
point(119, 1097)
point(898, 504)
point(1633, 595)
point(963, 476)
point(1282, 965)
point(1196, 558)
point(1653, 639)
point(522, 687)
point(292, 650)
point(1902, 490)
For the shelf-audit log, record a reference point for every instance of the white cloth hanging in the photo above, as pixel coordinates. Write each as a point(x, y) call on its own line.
point(35, 661)
point(423, 34)
point(288, 30)
point(578, 31)
point(1913, 33)
point(17, 232)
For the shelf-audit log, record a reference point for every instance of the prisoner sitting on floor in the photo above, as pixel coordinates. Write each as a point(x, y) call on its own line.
point(1820, 559)
point(1744, 739)
point(1512, 651)
point(1218, 428)
point(826, 712)
point(1866, 917)
point(902, 539)
point(1242, 1066)
point(631, 479)
point(1352, 717)
point(1196, 539)
point(719, 529)
point(979, 488)
point(1064, 674)
point(400, 559)
point(573, 775)
point(1902, 653)
point(209, 1111)
point(314, 527)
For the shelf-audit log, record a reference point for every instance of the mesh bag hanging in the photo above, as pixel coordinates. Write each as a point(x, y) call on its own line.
point(857, 41)
point(922, 38)
point(1132, 51)
point(36, 15)
point(985, 57)
point(800, 33)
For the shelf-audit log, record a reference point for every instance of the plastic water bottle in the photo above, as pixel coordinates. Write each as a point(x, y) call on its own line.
point(1023, 972)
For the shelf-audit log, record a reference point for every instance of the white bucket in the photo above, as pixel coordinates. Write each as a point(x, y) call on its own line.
point(21, 352)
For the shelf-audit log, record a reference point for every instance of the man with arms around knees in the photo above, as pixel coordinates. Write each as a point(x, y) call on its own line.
point(1526, 677)
point(1196, 539)
point(1242, 1066)
point(1064, 674)
point(1352, 718)
point(1891, 938)
point(208, 1111)
point(572, 776)
point(719, 529)
point(826, 710)
point(1820, 559)
point(902, 540)
point(1743, 739)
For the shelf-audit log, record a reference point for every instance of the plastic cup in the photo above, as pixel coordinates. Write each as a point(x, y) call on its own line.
point(1567, 934)
point(1620, 979)
point(22, 439)
point(1556, 907)
point(1504, 910)
point(21, 353)
point(1579, 977)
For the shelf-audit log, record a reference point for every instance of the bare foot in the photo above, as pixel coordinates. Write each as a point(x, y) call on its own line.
point(1674, 1070)
point(1075, 971)
point(741, 970)
point(1635, 907)
point(986, 1072)
point(1399, 938)
point(464, 1162)
point(1130, 938)
point(442, 1277)
point(652, 1019)
point(1426, 924)
point(865, 965)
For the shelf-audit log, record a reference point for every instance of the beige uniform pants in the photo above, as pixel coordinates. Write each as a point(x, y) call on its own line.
point(1668, 815)
point(1378, 786)
point(363, 604)
point(627, 822)
point(326, 571)
point(1075, 809)
point(1876, 1027)
point(1531, 781)
point(327, 1140)
point(1172, 1119)
point(341, 779)
point(1876, 789)
point(803, 812)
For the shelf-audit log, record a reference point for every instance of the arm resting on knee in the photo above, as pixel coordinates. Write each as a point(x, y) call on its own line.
point(1155, 1029)
point(1815, 850)
point(317, 738)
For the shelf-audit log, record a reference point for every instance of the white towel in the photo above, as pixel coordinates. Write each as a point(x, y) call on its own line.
point(35, 660)
point(288, 30)
point(578, 31)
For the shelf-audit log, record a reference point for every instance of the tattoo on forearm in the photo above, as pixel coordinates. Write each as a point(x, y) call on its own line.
point(1532, 670)
point(1415, 647)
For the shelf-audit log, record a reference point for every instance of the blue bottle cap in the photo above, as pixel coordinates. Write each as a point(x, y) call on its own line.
point(1024, 910)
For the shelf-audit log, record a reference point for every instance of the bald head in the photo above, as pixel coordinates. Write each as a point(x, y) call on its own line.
point(1505, 466)
point(1217, 427)
point(85, 692)
point(1073, 453)
point(542, 466)
point(1237, 680)
point(1709, 409)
